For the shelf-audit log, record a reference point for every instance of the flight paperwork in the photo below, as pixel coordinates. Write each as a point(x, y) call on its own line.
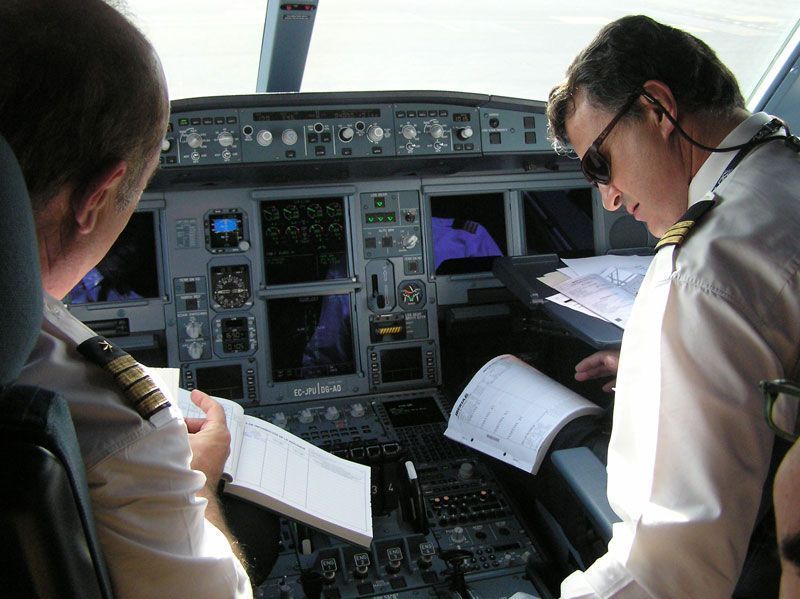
point(512, 412)
point(592, 297)
point(281, 472)
point(602, 286)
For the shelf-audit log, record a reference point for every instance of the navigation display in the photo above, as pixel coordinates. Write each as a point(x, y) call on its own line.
point(304, 240)
point(310, 337)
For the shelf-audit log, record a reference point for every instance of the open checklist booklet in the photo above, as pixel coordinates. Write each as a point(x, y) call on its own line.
point(512, 412)
point(288, 475)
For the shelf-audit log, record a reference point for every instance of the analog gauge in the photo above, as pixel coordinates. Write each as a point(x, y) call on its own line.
point(272, 232)
point(314, 211)
point(291, 212)
point(271, 213)
point(315, 230)
point(333, 209)
point(230, 285)
point(335, 229)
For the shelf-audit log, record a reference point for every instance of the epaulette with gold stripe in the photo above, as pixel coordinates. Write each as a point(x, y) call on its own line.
point(678, 232)
point(140, 390)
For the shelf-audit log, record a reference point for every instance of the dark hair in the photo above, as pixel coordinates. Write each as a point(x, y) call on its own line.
point(79, 91)
point(635, 49)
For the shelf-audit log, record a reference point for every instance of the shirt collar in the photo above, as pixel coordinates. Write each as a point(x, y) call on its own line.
point(715, 164)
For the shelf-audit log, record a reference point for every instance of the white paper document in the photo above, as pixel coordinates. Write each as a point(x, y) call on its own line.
point(512, 412)
point(280, 471)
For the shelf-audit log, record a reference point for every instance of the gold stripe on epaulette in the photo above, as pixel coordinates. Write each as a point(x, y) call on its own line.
point(119, 364)
point(671, 240)
point(129, 377)
point(151, 403)
point(683, 223)
point(141, 389)
point(673, 230)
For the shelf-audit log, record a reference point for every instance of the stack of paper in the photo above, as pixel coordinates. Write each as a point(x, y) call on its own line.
point(602, 286)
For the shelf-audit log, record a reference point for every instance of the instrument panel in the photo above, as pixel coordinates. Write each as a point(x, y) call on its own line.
point(302, 254)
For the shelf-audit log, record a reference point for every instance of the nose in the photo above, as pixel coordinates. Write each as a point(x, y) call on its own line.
point(611, 196)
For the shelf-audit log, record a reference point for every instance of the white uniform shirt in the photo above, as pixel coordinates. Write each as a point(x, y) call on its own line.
point(690, 448)
point(151, 524)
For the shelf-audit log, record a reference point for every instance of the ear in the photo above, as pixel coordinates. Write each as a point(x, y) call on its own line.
point(87, 207)
point(664, 102)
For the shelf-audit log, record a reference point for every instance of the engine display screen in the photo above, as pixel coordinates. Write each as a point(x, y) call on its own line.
point(310, 337)
point(304, 240)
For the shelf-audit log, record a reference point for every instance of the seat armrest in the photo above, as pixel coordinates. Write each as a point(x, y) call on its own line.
point(586, 476)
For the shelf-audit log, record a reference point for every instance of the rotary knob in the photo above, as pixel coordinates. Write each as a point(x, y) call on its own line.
point(375, 133)
point(436, 131)
point(194, 329)
point(457, 535)
point(357, 410)
point(279, 419)
point(410, 241)
point(466, 471)
point(166, 145)
point(195, 349)
point(225, 139)
point(306, 416)
point(346, 134)
point(264, 138)
point(465, 133)
point(409, 131)
point(289, 137)
point(194, 140)
point(331, 413)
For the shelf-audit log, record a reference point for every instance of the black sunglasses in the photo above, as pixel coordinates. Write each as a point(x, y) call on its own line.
point(596, 167)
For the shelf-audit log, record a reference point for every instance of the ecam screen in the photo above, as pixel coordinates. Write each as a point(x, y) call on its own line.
point(128, 272)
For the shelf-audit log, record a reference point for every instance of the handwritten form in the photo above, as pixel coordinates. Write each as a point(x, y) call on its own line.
point(512, 412)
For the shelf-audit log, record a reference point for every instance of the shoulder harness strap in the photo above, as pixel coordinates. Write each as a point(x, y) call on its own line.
point(678, 232)
point(140, 390)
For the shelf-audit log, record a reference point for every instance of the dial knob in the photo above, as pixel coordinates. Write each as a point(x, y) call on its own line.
point(194, 329)
point(357, 410)
point(305, 416)
point(331, 413)
point(346, 134)
point(280, 419)
point(466, 471)
point(465, 133)
point(410, 241)
point(457, 535)
point(436, 131)
point(225, 139)
point(166, 145)
point(289, 137)
point(194, 140)
point(264, 138)
point(375, 133)
point(409, 131)
point(195, 349)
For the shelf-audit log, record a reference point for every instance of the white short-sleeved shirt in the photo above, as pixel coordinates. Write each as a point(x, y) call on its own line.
point(690, 448)
point(150, 522)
